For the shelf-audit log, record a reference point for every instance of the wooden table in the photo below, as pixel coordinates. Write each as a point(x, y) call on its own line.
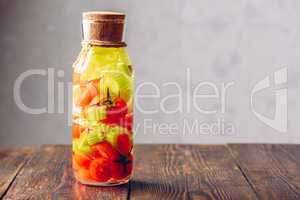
point(237, 171)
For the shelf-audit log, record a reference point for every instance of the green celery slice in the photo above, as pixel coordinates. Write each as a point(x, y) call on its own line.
point(94, 137)
point(96, 113)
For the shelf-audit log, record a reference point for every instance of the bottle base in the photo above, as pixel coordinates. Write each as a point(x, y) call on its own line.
point(104, 184)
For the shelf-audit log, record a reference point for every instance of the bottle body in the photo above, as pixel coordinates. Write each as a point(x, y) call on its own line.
point(102, 116)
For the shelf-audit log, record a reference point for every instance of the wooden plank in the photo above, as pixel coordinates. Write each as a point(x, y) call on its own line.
point(158, 173)
point(162, 172)
point(293, 150)
point(270, 170)
point(48, 175)
point(11, 162)
point(212, 174)
point(187, 172)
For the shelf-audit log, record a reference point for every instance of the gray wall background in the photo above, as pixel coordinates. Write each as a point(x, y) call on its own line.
point(220, 41)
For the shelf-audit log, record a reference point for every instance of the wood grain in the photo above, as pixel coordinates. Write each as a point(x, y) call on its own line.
point(158, 173)
point(188, 172)
point(48, 175)
point(239, 171)
point(213, 174)
point(272, 171)
point(292, 150)
point(11, 162)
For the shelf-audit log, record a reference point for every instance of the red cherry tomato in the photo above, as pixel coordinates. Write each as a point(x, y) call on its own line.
point(122, 106)
point(116, 112)
point(128, 122)
point(122, 168)
point(95, 153)
point(100, 169)
point(105, 150)
point(74, 164)
point(82, 160)
point(124, 144)
point(84, 174)
point(125, 122)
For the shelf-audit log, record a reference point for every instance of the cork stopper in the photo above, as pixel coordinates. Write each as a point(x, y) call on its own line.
point(103, 28)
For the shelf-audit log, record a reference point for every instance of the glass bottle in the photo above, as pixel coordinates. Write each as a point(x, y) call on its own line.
point(102, 116)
